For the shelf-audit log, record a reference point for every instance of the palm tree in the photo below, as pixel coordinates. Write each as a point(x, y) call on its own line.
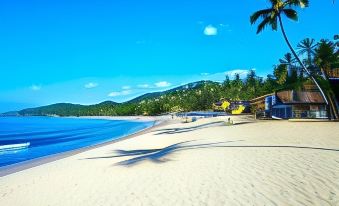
point(273, 15)
point(288, 61)
point(325, 56)
point(307, 46)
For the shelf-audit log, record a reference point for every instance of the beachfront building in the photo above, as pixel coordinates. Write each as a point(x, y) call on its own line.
point(291, 104)
point(258, 106)
point(333, 77)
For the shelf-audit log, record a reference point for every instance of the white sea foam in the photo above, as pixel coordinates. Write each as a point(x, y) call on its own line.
point(10, 147)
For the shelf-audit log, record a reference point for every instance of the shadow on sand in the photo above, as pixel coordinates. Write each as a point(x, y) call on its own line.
point(158, 155)
point(189, 129)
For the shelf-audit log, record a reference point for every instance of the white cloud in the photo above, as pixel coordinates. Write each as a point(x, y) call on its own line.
point(91, 85)
point(35, 87)
point(126, 87)
point(122, 93)
point(162, 84)
point(126, 92)
point(114, 94)
point(204, 74)
point(210, 30)
point(144, 86)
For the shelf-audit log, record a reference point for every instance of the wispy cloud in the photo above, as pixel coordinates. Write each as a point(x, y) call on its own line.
point(224, 25)
point(122, 93)
point(91, 85)
point(35, 87)
point(143, 86)
point(162, 84)
point(204, 74)
point(210, 30)
point(126, 87)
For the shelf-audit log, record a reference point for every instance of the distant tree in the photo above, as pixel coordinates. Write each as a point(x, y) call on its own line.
point(236, 87)
point(325, 55)
point(307, 46)
point(289, 61)
point(269, 85)
point(280, 73)
point(251, 84)
point(336, 43)
point(227, 82)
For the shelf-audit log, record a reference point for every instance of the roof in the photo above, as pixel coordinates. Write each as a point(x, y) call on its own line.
point(300, 97)
point(261, 98)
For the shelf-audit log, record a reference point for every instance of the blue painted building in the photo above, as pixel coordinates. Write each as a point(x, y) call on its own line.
point(289, 104)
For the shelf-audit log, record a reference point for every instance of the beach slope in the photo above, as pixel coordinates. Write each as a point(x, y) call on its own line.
point(199, 163)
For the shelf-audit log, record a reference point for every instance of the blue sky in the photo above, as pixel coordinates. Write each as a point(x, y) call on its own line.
point(89, 51)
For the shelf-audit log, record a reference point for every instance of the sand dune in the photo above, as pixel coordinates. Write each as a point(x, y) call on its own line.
point(199, 163)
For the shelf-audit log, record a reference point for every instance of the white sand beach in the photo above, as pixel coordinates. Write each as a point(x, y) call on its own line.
point(199, 163)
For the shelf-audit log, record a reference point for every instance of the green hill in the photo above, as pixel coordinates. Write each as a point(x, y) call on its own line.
point(147, 104)
point(196, 96)
point(192, 85)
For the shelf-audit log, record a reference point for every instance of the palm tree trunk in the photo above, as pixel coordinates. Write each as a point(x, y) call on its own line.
point(300, 62)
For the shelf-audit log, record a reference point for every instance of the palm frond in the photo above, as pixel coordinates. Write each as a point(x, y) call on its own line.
point(274, 24)
point(263, 24)
point(288, 59)
point(273, 2)
point(262, 13)
point(300, 3)
point(305, 2)
point(301, 46)
point(306, 46)
point(291, 13)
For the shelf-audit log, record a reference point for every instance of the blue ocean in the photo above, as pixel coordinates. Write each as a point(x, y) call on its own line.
point(26, 138)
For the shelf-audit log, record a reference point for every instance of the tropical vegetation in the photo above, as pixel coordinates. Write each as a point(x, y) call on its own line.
point(272, 17)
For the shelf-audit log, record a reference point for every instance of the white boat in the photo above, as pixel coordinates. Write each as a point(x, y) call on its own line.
point(14, 146)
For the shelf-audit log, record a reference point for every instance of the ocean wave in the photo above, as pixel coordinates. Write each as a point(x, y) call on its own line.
point(11, 147)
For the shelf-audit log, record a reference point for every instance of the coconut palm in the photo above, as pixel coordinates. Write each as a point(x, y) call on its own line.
point(307, 46)
point(325, 55)
point(273, 16)
point(287, 59)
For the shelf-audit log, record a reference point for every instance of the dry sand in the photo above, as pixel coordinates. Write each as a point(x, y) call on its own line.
point(199, 163)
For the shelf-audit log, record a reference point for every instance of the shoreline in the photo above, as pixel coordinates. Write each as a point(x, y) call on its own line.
point(17, 167)
point(123, 118)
